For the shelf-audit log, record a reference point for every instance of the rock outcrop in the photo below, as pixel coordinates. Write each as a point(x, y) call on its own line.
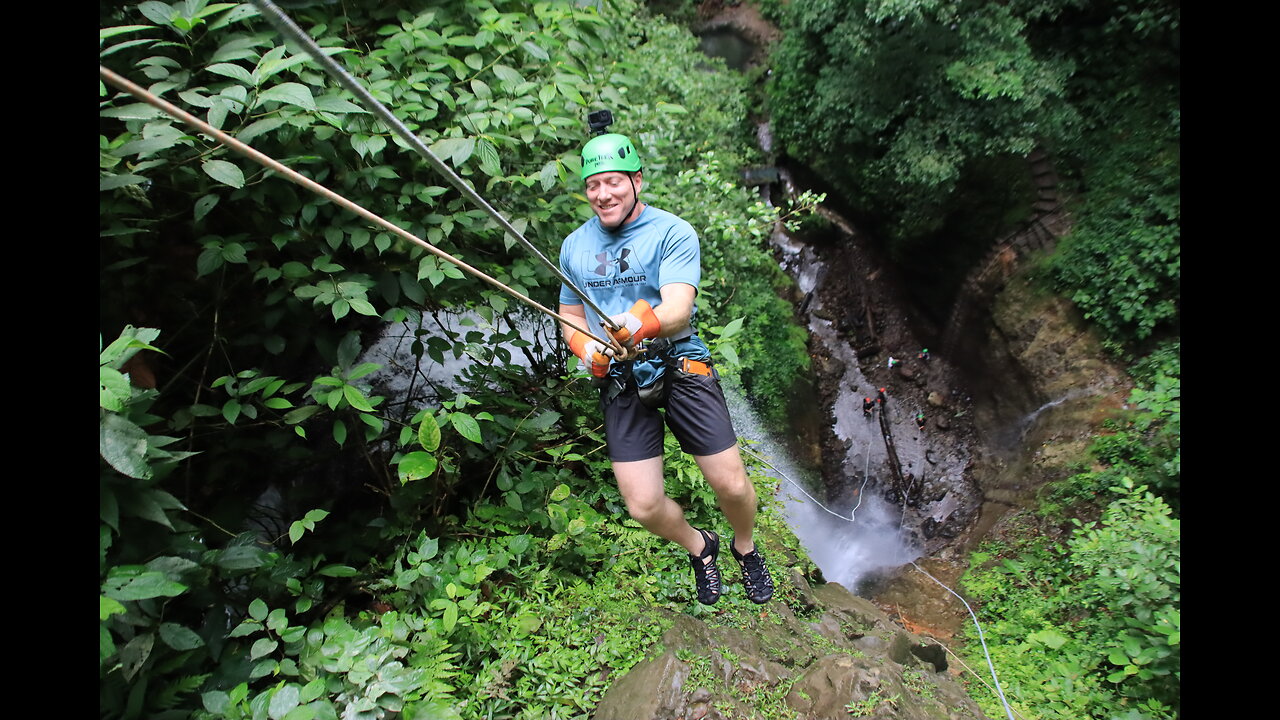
point(822, 654)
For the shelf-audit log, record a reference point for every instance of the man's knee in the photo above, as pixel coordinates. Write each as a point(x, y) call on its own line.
point(731, 486)
point(645, 509)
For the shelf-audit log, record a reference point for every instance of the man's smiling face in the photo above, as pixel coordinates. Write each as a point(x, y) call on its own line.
point(611, 196)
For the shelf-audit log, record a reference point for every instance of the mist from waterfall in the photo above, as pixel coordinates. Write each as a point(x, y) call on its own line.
point(846, 550)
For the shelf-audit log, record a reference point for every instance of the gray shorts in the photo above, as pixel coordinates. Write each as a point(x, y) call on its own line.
point(696, 413)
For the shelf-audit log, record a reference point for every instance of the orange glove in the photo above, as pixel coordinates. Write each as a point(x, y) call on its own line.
point(638, 323)
point(591, 352)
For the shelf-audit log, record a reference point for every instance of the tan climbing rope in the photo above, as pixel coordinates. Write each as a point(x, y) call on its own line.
point(290, 29)
point(292, 175)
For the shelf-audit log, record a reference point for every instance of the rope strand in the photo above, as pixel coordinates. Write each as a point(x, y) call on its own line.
point(982, 639)
point(793, 482)
point(319, 189)
point(286, 26)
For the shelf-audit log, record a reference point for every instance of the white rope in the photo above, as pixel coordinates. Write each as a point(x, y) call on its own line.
point(981, 638)
point(798, 486)
point(866, 453)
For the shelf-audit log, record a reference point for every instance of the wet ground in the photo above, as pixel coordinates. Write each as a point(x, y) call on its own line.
point(1017, 406)
point(913, 485)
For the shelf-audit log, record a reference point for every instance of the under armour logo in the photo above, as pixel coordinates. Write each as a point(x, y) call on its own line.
point(605, 262)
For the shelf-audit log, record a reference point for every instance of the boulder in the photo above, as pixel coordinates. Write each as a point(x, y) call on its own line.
point(841, 654)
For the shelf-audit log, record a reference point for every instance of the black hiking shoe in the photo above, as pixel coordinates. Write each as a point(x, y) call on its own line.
point(707, 574)
point(755, 576)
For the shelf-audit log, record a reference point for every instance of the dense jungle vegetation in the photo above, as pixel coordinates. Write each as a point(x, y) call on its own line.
point(281, 537)
point(921, 114)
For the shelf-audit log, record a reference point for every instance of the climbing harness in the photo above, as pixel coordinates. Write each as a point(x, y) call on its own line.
point(290, 29)
point(655, 394)
point(319, 189)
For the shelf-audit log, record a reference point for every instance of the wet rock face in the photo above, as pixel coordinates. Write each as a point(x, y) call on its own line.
point(853, 359)
point(842, 653)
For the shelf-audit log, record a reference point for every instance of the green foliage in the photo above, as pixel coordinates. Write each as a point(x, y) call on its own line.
point(867, 708)
point(165, 594)
point(1091, 628)
point(919, 114)
point(896, 102)
point(1122, 265)
point(741, 279)
point(447, 550)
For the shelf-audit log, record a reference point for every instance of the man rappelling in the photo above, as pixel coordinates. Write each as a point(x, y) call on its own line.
point(641, 265)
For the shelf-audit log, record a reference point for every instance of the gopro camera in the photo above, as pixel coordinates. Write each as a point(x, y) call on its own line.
point(599, 120)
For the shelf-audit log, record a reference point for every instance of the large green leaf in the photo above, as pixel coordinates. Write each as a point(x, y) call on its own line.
point(456, 149)
point(138, 584)
point(335, 104)
point(262, 647)
point(180, 637)
point(124, 446)
point(149, 504)
point(114, 389)
point(291, 93)
point(283, 701)
point(543, 421)
point(135, 111)
point(108, 607)
point(259, 127)
point(429, 433)
point(105, 33)
point(233, 71)
point(135, 653)
point(111, 182)
point(466, 426)
point(158, 12)
point(241, 557)
point(416, 466)
point(225, 172)
point(356, 398)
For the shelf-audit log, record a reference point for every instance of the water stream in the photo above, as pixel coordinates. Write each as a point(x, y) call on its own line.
point(848, 541)
point(1009, 439)
point(890, 530)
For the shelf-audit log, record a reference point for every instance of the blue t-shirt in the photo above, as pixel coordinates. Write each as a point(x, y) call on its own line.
point(615, 269)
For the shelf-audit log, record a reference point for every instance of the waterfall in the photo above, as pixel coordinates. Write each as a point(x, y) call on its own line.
point(1010, 438)
point(847, 551)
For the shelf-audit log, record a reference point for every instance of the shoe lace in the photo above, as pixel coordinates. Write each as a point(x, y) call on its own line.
point(756, 575)
point(708, 575)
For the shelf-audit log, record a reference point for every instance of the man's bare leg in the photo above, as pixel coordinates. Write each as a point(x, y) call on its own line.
point(640, 483)
point(727, 476)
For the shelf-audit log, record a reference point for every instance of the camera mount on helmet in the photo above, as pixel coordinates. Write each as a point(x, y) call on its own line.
point(599, 121)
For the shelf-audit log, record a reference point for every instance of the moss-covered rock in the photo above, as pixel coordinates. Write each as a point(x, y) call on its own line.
point(843, 657)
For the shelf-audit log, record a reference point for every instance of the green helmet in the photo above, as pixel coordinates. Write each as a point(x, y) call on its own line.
point(607, 153)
